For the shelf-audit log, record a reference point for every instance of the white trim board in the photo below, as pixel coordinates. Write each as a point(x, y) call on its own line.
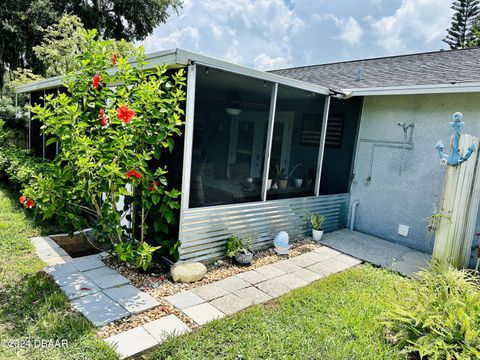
point(180, 58)
point(415, 89)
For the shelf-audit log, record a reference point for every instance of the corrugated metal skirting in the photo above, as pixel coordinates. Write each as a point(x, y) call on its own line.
point(203, 231)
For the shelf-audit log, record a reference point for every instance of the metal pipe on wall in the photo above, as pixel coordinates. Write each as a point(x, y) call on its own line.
point(406, 144)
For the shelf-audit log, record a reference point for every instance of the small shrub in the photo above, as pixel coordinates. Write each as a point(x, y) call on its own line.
point(233, 245)
point(441, 319)
point(139, 255)
point(19, 166)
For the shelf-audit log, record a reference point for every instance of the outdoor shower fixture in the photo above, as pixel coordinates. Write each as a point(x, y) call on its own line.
point(406, 144)
point(454, 158)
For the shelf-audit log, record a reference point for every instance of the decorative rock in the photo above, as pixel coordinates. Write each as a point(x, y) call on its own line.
point(188, 272)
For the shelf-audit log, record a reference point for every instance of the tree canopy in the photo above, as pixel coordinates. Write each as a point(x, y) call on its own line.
point(465, 17)
point(22, 24)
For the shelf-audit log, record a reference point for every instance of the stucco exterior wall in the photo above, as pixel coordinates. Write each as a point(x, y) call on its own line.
point(390, 198)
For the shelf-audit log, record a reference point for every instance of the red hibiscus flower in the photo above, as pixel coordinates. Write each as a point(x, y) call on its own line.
point(96, 80)
point(102, 116)
point(134, 173)
point(22, 199)
point(153, 186)
point(125, 114)
point(30, 204)
point(114, 59)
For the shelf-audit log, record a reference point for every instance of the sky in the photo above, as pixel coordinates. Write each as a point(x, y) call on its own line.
point(273, 34)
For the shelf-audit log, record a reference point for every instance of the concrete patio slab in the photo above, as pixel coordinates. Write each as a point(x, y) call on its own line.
point(287, 265)
point(336, 265)
point(165, 327)
point(307, 275)
point(253, 277)
point(131, 299)
point(44, 242)
point(57, 260)
point(106, 277)
point(131, 342)
point(377, 251)
point(99, 309)
point(321, 269)
point(86, 263)
point(184, 299)
point(291, 281)
point(232, 284)
point(307, 259)
point(60, 271)
point(270, 271)
point(203, 313)
point(273, 287)
point(327, 252)
point(76, 285)
point(346, 259)
point(231, 304)
point(210, 291)
point(253, 295)
point(411, 263)
point(51, 255)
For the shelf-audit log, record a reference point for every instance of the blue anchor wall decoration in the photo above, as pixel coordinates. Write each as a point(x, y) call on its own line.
point(454, 158)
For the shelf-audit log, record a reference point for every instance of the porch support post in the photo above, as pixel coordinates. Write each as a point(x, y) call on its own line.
point(268, 146)
point(326, 110)
point(188, 136)
point(44, 141)
point(29, 122)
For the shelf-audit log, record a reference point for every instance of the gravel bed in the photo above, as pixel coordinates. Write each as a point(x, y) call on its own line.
point(160, 284)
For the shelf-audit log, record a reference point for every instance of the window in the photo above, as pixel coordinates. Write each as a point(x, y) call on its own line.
point(230, 130)
point(295, 143)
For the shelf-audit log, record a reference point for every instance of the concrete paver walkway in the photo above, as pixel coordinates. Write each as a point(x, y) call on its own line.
point(377, 251)
point(103, 295)
point(231, 295)
point(100, 293)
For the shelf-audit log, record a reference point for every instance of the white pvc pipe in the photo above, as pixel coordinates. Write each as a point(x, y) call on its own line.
point(354, 214)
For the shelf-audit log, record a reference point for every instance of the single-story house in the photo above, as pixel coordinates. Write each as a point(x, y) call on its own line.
point(352, 140)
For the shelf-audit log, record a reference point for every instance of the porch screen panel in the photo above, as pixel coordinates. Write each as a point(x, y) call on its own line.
point(295, 143)
point(230, 129)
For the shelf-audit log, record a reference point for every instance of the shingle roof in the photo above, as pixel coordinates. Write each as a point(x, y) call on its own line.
point(440, 67)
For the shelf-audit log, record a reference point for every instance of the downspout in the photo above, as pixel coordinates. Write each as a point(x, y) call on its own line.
point(353, 214)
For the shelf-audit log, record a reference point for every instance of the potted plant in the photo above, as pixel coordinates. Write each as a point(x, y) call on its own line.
point(282, 179)
point(240, 250)
point(310, 177)
point(317, 221)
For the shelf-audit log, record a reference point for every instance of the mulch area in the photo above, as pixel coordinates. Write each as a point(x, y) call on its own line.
point(159, 284)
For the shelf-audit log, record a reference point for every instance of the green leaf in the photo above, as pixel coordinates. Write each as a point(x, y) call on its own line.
point(156, 199)
point(51, 141)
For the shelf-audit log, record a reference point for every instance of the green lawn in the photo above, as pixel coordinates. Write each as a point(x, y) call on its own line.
point(31, 306)
point(335, 318)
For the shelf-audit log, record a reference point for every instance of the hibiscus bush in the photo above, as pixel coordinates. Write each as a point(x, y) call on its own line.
point(113, 122)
